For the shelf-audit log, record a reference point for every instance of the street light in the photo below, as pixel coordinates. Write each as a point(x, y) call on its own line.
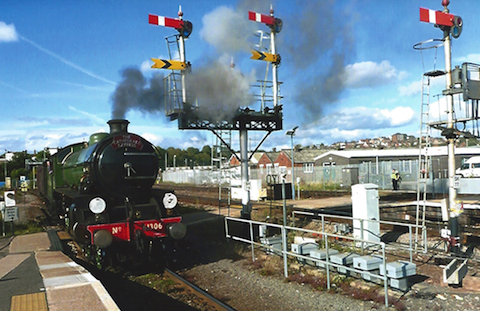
point(291, 133)
point(6, 155)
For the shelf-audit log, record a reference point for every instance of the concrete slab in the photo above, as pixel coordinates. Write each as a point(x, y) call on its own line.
point(70, 286)
point(30, 243)
point(48, 258)
point(77, 298)
point(10, 262)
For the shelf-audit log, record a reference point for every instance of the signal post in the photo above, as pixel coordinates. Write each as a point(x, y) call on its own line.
point(450, 25)
point(268, 119)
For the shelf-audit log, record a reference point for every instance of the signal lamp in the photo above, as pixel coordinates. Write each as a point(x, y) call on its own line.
point(186, 29)
point(456, 29)
point(278, 25)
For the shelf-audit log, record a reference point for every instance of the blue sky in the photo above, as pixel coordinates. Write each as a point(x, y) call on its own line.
point(348, 67)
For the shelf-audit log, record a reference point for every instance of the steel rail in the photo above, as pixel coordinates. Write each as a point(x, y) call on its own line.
point(217, 304)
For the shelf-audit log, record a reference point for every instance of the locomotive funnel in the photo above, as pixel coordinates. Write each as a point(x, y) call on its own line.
point(118, 126)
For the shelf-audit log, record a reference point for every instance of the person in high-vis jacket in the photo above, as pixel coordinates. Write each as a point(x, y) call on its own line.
point(395, 177)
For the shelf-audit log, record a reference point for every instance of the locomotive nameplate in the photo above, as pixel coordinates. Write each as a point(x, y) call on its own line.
point(127, 141)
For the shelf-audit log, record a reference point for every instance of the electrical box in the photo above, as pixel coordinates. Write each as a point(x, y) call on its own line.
point(365, 206)
point(367, 262)
point(304, 248)
point(322, 255)
point(399, 269)
point(275, 242)
point(343, 258)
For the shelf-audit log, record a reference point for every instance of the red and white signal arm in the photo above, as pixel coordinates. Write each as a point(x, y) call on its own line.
point(165, 21)
point(261, 18)
point(436, 17)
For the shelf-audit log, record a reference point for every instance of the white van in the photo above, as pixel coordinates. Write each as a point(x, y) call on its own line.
point(471, 168)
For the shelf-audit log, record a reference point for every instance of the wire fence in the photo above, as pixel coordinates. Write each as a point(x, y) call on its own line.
point(326, 177)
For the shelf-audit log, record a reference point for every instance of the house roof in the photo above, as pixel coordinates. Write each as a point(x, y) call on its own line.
point(304, 155)
point(369, 153)
point(272, 155)
point(254, 159)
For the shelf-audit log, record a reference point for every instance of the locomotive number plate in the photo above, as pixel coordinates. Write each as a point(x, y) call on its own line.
point(127, 141)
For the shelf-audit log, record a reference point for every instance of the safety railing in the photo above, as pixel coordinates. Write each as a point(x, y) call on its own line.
point(250, 239)
point(411, 247)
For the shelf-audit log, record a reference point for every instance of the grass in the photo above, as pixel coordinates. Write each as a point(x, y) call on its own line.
point(327, 186)
point(155, 281)
point(22, 228)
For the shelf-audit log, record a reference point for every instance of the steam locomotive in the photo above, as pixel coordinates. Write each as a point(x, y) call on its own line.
point(102, 192)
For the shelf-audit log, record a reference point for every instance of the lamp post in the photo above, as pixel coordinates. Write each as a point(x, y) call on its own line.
point(6, 167)
point(291, 133)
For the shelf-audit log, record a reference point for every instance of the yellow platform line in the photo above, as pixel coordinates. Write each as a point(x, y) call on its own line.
point(29, 302)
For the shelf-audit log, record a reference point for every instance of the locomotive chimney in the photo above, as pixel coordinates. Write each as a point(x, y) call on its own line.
point(118, 126)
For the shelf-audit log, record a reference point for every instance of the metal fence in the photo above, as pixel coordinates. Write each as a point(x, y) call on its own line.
point(328, 177)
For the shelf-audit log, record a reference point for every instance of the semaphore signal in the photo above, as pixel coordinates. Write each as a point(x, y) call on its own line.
point(165, 21)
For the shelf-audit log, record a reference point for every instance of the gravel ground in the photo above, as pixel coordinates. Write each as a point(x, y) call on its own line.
point(248, 290)
point(225, 269)
point(244, 288)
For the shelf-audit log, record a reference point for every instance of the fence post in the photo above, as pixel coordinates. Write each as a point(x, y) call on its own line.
point(385, 278)
point(251, 241)
point(284, 243)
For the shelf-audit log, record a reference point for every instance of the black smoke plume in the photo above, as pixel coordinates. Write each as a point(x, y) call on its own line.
point(219, 91)
point(136, 92)
point(317, 42)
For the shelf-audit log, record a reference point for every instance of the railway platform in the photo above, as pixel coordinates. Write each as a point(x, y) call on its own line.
point(33, 276)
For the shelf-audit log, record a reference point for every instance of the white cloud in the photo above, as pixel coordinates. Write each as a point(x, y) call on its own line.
point(226, 29)
point(146, 66)
point(370, 74)
point(152, 138)
point(398, 116)
point(411, 89)
point(8, 32)
point(470, 58)
point(365, 118)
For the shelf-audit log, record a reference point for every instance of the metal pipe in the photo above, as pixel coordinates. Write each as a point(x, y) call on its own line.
point(274, 70)
point(284, 248)
point(293, 170)
point(452, 192)
point(284, 203)
point(246, 205)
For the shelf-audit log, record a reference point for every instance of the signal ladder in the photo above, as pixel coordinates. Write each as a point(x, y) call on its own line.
point(222, 144)
point(220, 149)
point(424, 159)
point(173, 82)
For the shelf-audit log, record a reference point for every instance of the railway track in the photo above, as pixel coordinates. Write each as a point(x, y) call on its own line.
point(209, 300)
point(184, 291)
